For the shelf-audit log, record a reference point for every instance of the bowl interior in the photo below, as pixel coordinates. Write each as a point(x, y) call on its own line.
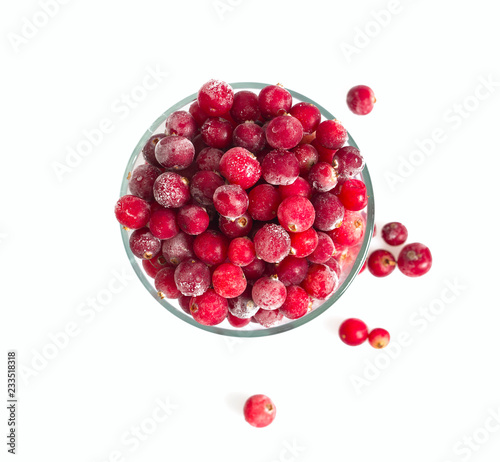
point(253, 329)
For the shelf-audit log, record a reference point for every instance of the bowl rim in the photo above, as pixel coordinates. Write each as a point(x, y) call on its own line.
point(264, 332)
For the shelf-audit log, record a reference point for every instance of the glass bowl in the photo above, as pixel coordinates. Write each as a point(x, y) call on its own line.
point(252, 329)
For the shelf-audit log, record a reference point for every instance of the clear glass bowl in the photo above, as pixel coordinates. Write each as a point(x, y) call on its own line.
point(252, 329)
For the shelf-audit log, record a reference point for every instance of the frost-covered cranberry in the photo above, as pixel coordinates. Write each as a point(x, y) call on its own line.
point(324, 250)
point(296, 214)
point(163, 223)
point(143, 244)
point(394, 233)
point(178, 248)
point(322, 177)
point(292, 270)
point(239, 166)
point(211, 247)
point(241, 251)
point(231, 201)
point(142, 180)
point(245, 107)
point(192, 277)
point(379, 338)
point(284, 132)
point(174, 152)
point(360, 99)
point(319, 282)
point(329, 211)
point(217, 133)
point(303, 244)
point(215, 97)
point(203, 186)
point(381, 263)
point(197, 113)
point(237, 322)
point(353, 195)
point(334, 266)
point(331, 134)
point(274, 100)
point(165, 283)
point(264, 201)
point(132, 212)
point(348, 162)
point(171, 190)
point(259, 411)
point(351, 231)
point(229, 280)
point(272, 243)
point(307, 155)
point(415, 260)
point(148, 151)
point(208, 308)
point(250, 136)
point(236, 228)
point(280, 167)
point(268, 318)
point(296, 304)
point(255, 269)
point(181, 123)
point(268, 293)
point(192, 219)
point(308, 115)
point(153, 266)
point(243, 306)
point(300, 187)
point(353, 332)
point(209, 159)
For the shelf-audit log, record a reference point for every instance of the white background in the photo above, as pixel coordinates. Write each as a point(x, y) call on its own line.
point(60, 245)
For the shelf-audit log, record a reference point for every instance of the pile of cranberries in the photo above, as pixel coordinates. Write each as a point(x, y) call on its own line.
point(247, 206)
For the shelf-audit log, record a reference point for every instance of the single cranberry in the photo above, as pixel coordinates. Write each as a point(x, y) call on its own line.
point(208, 308)
point(323, 251)
point(211, 247)
point(255, 269)
point(267, 318)
point(259, 411)
point(229, 280)
point(163, 223)
point(360, 99)
point(331, 134)
point(353, 195)
point(249, 135)
point(319, 282)
point(329, 211)
point(348, 162)
point(178, 248)
point(296, 304)
point(148, 151)
point(300, 187)
point(379, 338)
point(209, 159)
point(153, 266)
point(231, 200)
point(239, 166)
point(280, 167)
point(394, 233)
point(184, 301)
point(236, 228)
point(171, 190)
point(197, 113)
point(334, 266)
point(132, 212)
point(174, 152)
point(237, 322)
point(381, 263)
point(215, 97)
point(243, 306)
point(303, 244)
point(217, 133)
point(292, 270)
point(192, 219)
point(308, 115)
point(272, 243)
point(203, 186)
point(245, 107)
point(307, 155)
point(296, 214)
point(264, 201)
point(268, 293)
point(351, 231)
point(142, 180)
point(284, 132)
point(165, 283)
point(181, 123)
point(143, 244)
point(353, 332)
point(322, 177)
point(414, 260)
point(241, 251)
point(274, 100)
point(324, 154)
point(192, 277)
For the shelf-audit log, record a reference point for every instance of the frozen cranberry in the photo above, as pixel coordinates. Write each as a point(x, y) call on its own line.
point(324, 250)
point(184, 301)
point(268, 293)
point(348, 162)
point(280, 167)
point(236, 228)
point(267, 318)
point(237, 322)
point(307, 155)
point(178, 248)
point(211, 247)
point(197, 113)
point(351, 231)
point(181, 123)
point(165, 284)
point(300, 187)
point(353, 332)
point(243, 306)
point(296, 304)
point(414, 260)
point(217, 133)
point(353, 195)
point(174, 152)
point(209, 159)
point(394, 233)
point(292, 270)
point(241, 251)
point(192, 277)
point(296, 214)
point(250, 136)
point(215, 97)
point(148, 151)
point(153, 266)
point(228, 280)
point(208, 308)
point(308, 115)
point(259, 411)
point(322, 177)
point(272, 243)
point(143, 244)
point(231, 201)
point(379, 338)
point(360, 99)
point(274, 100)
point(381, 263)
point(132, 212)
point(284, 132)
point(255, 269)
point(331, 134)
point(329, 211)
point(264, 201)
point(203, 186)
point(192, 219)
point(171, 190)
point(239, 166)
point(319, 282)
point(142, 180)
point(245, 107)
point(303, 244)
point(163, 223)
point(334, 266)
point(324, 154)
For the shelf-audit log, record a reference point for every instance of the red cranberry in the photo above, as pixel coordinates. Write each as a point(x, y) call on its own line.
point(250, 136)
point(296, 304)
point(334, 266)
point(348, 162)
point(307, 155)
point(360, 99)
point(255, 269)
point(142, 180)
point(296, 214)
point(184, 301)
point(236, 228)
point(192, 277)
point(209, 159)
point(394, 233)
point(237, 322)
point(241, 251)
point(381, 263)
point(163, 223)
point(174, 152)
point(324, 154)
point(280, 167)
point(245, 107)
point(268, 293)
point(272, 243)
point(267, 318)
point(331, 134)
point(203, 186)
point(284, 132)
point(132, 212)
point(259, 411)
point(353, 332)
point(353, 195)
point(171, 190)
point(153, 266)
point(300, 187)
point(215, 97)
point(292, 270)
point(181, 123)
point(351, 231)
point(192, 219)
point(243, 306)
point(143, 244)
point(211, 247)
point(264, 201)
point(324, 250)
point(228, 280)
point(148, 151)
point(178, 248)
point(319, 282)
point(165, 283)
point(379, 338)
point(231, 201)
point(329, 211)
point(239, 166)
point(303, 244)
point(308, 115)
point(208, 308)
point(217, 133)
point(414, 260)
point(322, 177)
point(197, 113)
point(274, 100)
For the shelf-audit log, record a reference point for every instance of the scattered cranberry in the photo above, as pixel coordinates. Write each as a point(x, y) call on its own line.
point(394, 233)
point(208, 308)
point(331, 134)
point(414, 260)
point(215, 98)
point(379, 338)
point(360, 99)
point(353, 332)
point(259, 411)
point(132, 212)
point(381, 263)
point(353, 195)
